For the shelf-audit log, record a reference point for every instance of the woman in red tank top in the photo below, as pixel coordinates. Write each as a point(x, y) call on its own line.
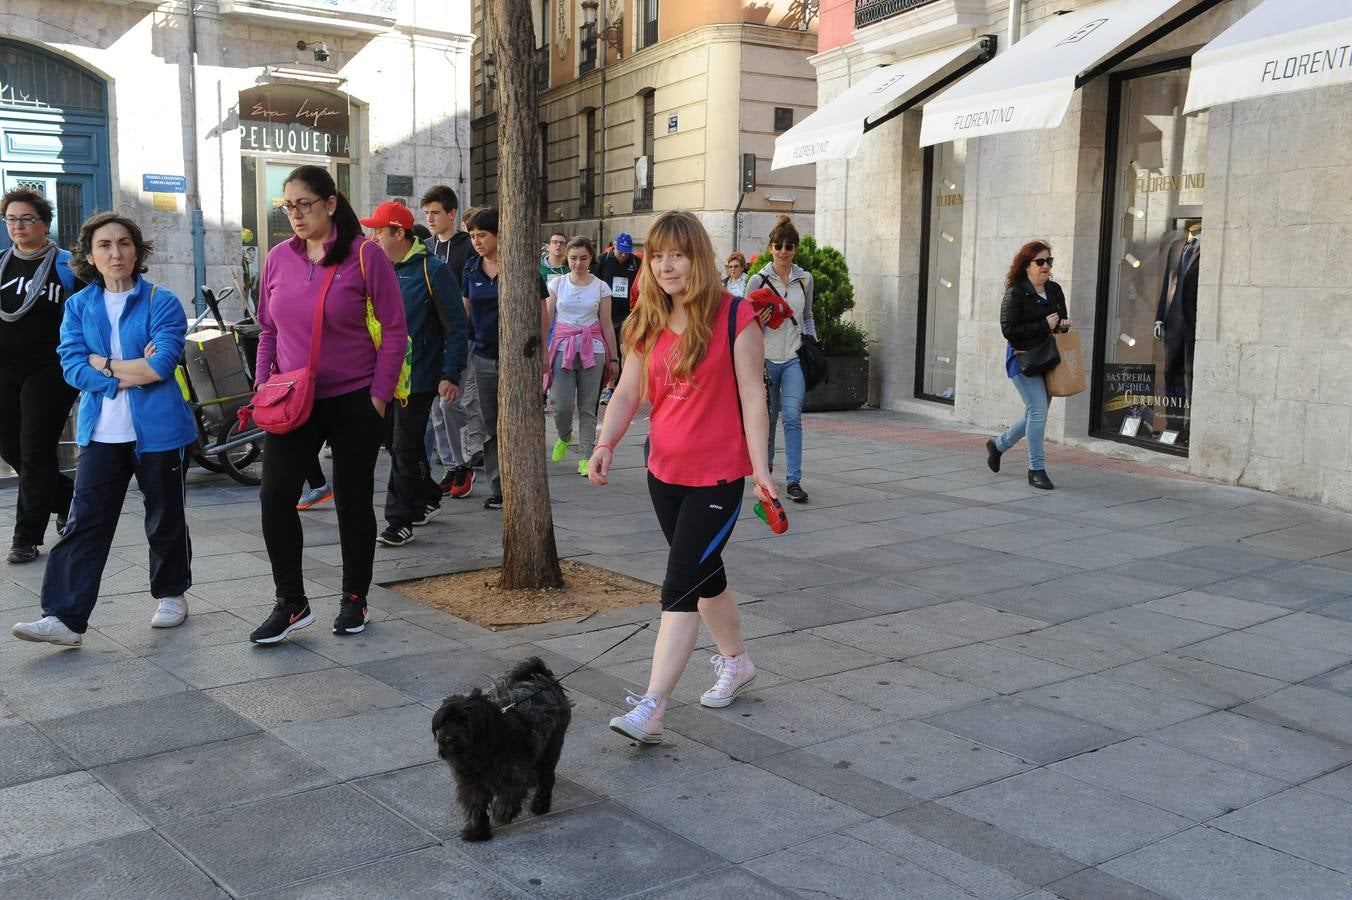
point(709, 431)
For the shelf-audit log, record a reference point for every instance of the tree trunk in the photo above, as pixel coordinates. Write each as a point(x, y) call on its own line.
point(529, 556)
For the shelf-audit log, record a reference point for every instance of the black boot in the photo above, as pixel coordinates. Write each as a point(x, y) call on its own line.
point(993, 455)
point(1038, 479)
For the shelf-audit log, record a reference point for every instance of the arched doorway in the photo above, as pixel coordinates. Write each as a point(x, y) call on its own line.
point(54, 135)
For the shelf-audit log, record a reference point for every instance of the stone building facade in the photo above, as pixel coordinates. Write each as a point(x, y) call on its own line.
point(1259, 394)
point(103, 106)
point(646, 108)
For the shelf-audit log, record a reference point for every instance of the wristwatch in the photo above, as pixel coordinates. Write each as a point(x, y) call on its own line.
point(107, 367)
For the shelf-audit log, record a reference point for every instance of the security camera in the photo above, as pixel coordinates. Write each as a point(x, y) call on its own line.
point(321, 49)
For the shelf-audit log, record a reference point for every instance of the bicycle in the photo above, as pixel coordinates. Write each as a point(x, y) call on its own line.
point(216, 377)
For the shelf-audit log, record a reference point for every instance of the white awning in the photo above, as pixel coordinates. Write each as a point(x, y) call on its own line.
point(1280, 47)
point(1031, 84)
point(835, 130)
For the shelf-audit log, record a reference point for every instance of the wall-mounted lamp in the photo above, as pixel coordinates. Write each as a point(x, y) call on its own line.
point(320, 49)
point(1127, 339)
point(1134, 211)
point(612, 34)
point(946, 283)
point(491, 70)
point(946, 236)
point(944, 360)
point(1132, 261)
point(1136, 166)
point(951, 185)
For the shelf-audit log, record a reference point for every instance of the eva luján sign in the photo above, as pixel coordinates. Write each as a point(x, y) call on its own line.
point(294, 119)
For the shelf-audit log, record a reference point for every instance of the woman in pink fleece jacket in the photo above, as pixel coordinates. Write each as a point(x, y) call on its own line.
point(354, 383)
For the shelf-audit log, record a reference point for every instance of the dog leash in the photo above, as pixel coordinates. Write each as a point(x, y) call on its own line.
point(556, 681)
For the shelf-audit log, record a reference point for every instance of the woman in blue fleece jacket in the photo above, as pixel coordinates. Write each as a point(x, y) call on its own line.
point(121, 338)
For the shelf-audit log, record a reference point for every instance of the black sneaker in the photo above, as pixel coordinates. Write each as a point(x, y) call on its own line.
point(796, 492)
point(448, 480)
point(493, 502)
point(396, 535)
point(352, 616)
point(430, 512)
point(477, 460)
point(26, 553)
point(286, 617)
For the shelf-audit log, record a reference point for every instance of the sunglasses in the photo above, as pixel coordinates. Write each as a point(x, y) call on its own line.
point(784, 246)
point(1043, 261)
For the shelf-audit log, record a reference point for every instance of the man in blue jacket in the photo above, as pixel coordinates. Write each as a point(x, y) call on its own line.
point(437, 329)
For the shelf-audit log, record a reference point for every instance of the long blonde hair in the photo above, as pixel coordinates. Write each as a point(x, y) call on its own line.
point(681, 231)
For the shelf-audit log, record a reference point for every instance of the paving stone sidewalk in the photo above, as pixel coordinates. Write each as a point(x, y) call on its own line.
point(1136, 686)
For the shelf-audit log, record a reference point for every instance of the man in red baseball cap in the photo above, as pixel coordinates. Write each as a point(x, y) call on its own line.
point(389, 213)
point(438, 327)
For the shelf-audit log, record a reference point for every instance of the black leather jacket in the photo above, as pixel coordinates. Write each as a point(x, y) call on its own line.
point(1023, 314)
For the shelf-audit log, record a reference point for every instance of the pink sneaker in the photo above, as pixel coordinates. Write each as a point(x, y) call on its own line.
point(734, 674)
point(643, 723)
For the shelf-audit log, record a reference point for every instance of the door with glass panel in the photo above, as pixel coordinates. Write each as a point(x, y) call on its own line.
point(71, 196)
point(941, 237)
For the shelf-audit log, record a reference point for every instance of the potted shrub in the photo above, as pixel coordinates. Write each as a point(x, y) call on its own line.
point(845, 343)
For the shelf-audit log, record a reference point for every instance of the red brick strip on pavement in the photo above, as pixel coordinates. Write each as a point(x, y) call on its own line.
point(870, 427)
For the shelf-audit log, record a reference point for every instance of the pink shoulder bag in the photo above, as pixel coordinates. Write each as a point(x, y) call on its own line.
point(283, 403)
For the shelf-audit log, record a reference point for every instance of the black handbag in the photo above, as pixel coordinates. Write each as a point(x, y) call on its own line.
point(812, 358)
point(1039, 359)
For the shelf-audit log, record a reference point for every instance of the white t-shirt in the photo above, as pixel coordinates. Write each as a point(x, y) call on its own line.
point(579, 305)
point(114, 423)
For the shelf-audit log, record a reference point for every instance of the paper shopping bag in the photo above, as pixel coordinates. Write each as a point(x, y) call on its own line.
point(1068, 377)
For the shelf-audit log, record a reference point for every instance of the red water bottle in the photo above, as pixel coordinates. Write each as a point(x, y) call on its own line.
point(771, 512)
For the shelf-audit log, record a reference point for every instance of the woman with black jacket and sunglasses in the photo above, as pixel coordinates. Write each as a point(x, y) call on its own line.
point(1034, 308)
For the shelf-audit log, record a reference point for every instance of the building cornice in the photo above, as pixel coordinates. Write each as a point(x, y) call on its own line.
point(927, 27)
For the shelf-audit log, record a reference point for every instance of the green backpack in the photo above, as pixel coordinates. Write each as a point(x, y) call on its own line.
point(402, 386)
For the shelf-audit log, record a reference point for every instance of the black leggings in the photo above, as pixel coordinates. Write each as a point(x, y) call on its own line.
point(34, 404)
point(697, 522)
point(353, 428)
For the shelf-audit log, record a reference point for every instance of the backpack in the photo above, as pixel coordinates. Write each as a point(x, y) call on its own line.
point(402, 387)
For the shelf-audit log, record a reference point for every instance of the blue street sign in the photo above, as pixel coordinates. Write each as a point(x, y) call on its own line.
point(164, 184)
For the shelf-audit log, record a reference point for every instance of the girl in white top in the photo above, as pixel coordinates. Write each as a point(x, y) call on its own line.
point(582, 349)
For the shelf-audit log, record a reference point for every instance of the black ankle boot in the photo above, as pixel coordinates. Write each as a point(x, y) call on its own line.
point(1038, 479)
point(993, 455)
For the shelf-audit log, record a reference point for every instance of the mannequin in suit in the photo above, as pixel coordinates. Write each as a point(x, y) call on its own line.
point(1176, 323)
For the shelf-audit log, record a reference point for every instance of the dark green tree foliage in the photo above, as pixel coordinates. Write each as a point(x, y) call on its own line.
point(835, 297)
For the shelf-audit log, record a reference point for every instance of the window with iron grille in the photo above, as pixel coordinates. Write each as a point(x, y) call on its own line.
point(643, 193)
point(542, 67)
point(647, 35)
point(587, 49)
point(544, 170)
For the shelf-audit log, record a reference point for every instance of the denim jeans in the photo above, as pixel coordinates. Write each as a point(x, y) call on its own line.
point(1033, 390)
point(787, 389)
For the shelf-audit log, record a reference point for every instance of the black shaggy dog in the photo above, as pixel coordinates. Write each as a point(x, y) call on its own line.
point(498, 756)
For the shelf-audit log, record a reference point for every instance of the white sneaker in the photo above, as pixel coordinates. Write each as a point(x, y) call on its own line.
point(49, 630)
point(734, 674)
point(172, 611)
point(643, 723)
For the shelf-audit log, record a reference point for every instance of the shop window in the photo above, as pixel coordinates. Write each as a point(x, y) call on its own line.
point(1151, 263)
point(937, 356)
point(282, 126)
